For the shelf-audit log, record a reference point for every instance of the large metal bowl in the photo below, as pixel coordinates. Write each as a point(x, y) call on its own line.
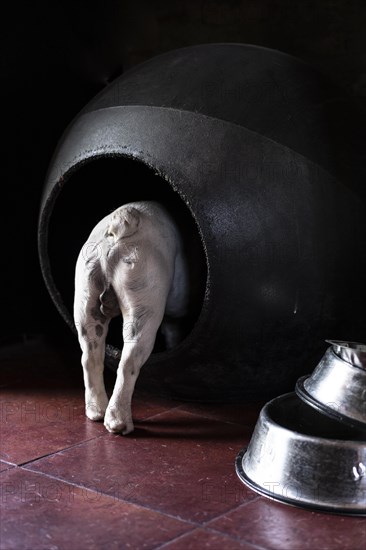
point(337, 386)
point(301, 457)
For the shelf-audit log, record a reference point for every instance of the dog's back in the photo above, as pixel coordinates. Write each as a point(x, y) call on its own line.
point(134, 258)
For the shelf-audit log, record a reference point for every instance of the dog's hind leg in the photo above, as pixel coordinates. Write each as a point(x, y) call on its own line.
point(139, 332)
point(92, 322)
point(92, 334)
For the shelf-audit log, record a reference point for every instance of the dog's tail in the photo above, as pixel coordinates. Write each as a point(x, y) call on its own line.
point(125, 222)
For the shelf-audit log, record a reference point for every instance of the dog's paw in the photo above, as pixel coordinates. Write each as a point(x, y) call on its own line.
point(115, 422)
point(95, 407)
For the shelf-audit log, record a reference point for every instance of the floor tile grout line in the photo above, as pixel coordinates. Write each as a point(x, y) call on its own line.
point(236, 539)
point(206, 417)
point(27, 466)
point(7, 462)
point(175, 539)
point(195, 525)
point(3, 472)
point(213, 531)
point(106, 433)
point(155, 415)
point(115, 499)
point(198, 415)
point(55, 453)
point(242, 505)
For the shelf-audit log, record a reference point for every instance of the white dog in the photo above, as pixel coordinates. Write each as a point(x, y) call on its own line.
point(132, 263)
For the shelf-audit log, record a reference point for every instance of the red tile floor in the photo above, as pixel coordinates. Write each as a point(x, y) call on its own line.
point(67, 484)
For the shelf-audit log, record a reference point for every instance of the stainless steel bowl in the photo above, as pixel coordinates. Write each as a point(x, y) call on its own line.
point(301, 457)
point(337, 386)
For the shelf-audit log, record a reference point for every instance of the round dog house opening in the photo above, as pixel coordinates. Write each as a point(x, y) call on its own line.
point(258, 189)
point(94, 190)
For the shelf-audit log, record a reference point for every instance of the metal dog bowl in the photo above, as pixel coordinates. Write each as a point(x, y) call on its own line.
point(337, 387)
point(301, 457)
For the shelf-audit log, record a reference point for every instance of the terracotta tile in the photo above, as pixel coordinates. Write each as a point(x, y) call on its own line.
point(39, 417)
point(243, 414)
point(41, 404)
point(177, 463)
point(43, 513)
point(37, 366)
point(146, 405)
point(37, 422)
point(203, 538)
point(277, 526)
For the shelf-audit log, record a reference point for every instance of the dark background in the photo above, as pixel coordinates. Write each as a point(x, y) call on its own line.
point(57, 56)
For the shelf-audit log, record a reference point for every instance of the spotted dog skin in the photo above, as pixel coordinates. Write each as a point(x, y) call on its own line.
point(132, 263)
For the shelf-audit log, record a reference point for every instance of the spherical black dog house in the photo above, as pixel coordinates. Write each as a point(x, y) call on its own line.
point(258, 159)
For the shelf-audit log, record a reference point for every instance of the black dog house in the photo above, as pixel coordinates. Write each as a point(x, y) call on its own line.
point(259, 160)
